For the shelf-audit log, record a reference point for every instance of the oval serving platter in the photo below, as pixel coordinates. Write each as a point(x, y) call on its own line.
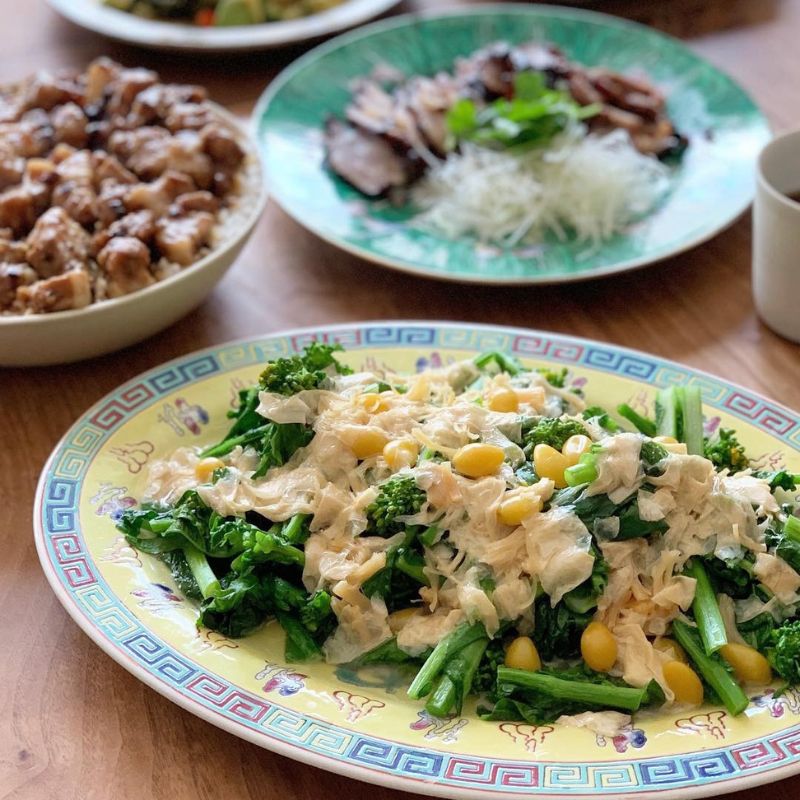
point(711, 187)
point(362, 724)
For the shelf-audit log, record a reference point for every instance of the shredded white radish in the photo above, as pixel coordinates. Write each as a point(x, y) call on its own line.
point(592, 186)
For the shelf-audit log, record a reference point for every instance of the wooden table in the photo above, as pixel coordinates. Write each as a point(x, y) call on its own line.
point(73, 724)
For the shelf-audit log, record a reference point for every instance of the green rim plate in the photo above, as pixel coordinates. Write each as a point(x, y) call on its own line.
point(712, 186)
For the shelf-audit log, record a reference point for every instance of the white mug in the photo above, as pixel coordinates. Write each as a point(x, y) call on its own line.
point(776, 236)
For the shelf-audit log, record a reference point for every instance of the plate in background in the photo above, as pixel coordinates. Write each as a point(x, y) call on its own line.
point(165, 35)
point(713, 185)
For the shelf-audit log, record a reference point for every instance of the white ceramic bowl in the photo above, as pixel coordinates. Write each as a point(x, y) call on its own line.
point(64, 336)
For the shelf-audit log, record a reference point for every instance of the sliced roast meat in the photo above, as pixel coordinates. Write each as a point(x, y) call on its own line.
point(365, 160)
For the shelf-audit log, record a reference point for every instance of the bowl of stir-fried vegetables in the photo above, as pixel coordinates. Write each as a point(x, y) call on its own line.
point(221, 25)
point(223, 12)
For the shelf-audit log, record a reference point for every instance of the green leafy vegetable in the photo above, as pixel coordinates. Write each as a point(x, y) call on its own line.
point(555, 377)
point(733, 576)
point(485, 680)
point(705, 608)
point(455, 681)
point(757, 631)
point(497, 362)
point(182, 574)
point(784, 651)
point(531, 118)
point(642, 424)
point(455, 641)
point(301, 372)
point(386, 653)
point(593, 508)
point(711, 667)
point(541, 697)
point(300, 646)
point(602, 417)
point(546, 430)
point(398, 497)
point(241, 605)
point(725, 451)
point(557, 629)
point(583, 598)
point(779, 480)
point(786, 541)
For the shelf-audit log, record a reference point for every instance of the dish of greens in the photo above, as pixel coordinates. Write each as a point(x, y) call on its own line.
point(223, 12)
point(339, 607)
point(509, 144)
point(490, 526)
point(218, 25)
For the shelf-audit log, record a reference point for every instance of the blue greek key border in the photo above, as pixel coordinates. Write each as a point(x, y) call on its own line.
point(102, 610)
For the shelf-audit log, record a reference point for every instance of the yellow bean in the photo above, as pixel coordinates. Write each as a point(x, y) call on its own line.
point(503, 399)
point(671, 648)
point(401, 453)
point(517, 507)
point(671, 444)
point(368, 442)
point(598, 647)
point(372, 403)
point(575, 447)
point(478, 460)
point(204, 469)
point(683, 681)
point(549, 463)
point(522, 654)
point(748, 664)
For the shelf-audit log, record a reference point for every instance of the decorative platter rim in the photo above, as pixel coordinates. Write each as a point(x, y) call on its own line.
point(363, 248)
point(322, 740)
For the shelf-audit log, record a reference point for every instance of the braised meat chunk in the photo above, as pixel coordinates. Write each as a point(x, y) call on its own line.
point(12, 276)
point(57, 244)
point(181, 238)
point(159, 195)
point(21, 205)
point(74, 190)
point(109, 181)
point(126, 262)
point(65, 292)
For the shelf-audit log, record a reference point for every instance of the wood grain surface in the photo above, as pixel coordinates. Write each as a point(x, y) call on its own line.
point(73, 724)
